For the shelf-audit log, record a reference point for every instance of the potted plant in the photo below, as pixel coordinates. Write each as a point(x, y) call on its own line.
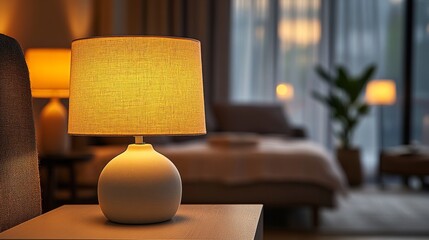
point(346, 109)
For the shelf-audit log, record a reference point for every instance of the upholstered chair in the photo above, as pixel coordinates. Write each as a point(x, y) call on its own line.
point(20, 198)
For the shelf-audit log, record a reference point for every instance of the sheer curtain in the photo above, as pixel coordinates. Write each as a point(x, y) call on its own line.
point(253, 50)
point(275, 41)
point(299, 34)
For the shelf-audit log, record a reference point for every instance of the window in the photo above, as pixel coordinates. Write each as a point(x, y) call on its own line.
point(420, 91)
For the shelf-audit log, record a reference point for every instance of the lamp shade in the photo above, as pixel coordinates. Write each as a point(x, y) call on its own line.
point(381, 92)
point(49, 72)
point(284, 91)
point(136, 85)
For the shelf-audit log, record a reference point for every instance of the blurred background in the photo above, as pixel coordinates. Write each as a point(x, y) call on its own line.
point(249, 48)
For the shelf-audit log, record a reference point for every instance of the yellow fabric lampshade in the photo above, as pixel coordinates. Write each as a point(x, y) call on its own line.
point(49, 72)
point(284, 91)
point(136, 85)
point(381, 92)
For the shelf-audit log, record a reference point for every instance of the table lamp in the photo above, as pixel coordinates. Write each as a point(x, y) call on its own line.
point(284, 91)
point(381, 92)
point(137, 86)
point(49, 76)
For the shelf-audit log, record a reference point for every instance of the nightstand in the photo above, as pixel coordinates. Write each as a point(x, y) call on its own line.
point(54, 162)
point(191, 222)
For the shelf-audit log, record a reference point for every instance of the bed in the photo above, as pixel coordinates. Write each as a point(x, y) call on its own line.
point(275, 172)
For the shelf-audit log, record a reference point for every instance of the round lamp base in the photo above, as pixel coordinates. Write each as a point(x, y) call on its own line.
point(139, 186)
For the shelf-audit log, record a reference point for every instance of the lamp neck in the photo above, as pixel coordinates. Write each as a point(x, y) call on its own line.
point(140, 147)
point(55, 105)
point(139, 140)
point(54, 99)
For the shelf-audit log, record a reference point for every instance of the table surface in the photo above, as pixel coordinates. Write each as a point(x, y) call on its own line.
point(190, 222)
point(408, 151)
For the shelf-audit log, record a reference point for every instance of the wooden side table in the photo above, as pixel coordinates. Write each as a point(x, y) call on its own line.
point(404, 162)
point(191, 222)
point(53, 162)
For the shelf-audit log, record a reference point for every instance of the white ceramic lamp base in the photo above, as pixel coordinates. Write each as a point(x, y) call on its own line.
point(139, 186)
point(53, 138)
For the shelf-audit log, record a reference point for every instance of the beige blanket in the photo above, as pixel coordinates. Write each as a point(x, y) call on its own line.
point(271, 160)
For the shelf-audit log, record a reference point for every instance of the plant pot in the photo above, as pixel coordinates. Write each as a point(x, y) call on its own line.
point(349, 160)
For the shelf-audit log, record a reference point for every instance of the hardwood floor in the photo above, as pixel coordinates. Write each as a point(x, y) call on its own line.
point(273, 235)
point(365, 214)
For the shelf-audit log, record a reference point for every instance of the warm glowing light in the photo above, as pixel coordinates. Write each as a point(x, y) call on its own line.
point(300, 6)
point(381, 92)
point(302, 32)
point(284, 91)
point(49, 72)
point(136, 86)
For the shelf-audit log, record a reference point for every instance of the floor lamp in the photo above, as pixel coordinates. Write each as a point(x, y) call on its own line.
point(378, 93)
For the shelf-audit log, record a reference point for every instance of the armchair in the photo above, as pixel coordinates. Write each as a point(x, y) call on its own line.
point(19, 174)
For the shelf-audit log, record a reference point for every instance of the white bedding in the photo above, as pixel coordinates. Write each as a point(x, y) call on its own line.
point(272, 160)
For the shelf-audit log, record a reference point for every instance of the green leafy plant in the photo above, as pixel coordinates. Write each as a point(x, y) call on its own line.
point(346, 105)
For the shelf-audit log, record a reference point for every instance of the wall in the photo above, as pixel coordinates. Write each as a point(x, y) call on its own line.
point(46, 23)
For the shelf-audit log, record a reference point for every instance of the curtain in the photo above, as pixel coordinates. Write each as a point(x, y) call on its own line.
point(275, 42)
point(300, 39)
point(420, 83)
point(253, 50)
